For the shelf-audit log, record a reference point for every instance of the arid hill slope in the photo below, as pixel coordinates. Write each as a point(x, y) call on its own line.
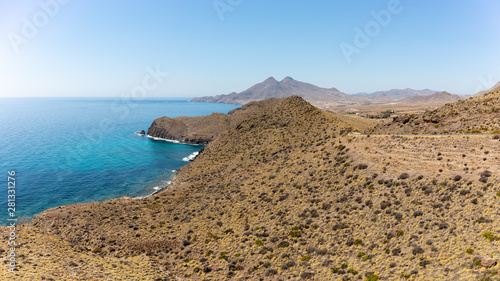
point(437, 99)
point(479, 114)
point(289, 194)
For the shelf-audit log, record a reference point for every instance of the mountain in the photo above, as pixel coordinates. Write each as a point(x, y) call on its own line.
point(397, 94)
point(497, 86)
point(323, 97)
point(439, 98)
point(271, 88)
point(476, 114)
point(287, 193)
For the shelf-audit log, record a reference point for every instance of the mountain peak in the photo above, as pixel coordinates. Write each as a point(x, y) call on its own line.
point(288, 78)
point(270, 80)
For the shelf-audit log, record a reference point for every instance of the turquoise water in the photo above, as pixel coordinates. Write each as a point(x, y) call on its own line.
point(82, 150)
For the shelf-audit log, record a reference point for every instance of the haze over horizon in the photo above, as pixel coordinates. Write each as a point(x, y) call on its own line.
point(56, 48)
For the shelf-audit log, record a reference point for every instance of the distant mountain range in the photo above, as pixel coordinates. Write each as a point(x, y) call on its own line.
point(328, 97)
point(397, 94)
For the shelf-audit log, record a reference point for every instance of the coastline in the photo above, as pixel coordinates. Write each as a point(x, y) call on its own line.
point(157, 189)
point(189, 158)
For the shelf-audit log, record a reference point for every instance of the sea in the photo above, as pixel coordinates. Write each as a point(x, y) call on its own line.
point(62, 151)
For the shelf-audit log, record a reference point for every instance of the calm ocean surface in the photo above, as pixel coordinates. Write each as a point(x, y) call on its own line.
point(68, 151)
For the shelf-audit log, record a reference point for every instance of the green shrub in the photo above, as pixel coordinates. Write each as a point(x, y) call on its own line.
point(305, 258)
point(344, 265)
point(295, 232)
point(469, 251)
point(490, 236)
point(223, 255)
point(400, 233)
point(358, 242)
point(352, 271)
point(259, 243)
point(372, 277)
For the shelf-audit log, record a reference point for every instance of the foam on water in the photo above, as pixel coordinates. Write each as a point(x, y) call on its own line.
point(191, 156)
point(162, 139)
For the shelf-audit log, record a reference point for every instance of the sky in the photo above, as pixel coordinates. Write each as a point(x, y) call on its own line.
point(188, 48)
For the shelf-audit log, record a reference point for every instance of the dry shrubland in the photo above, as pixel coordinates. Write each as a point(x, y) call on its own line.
point(475, 115)
point(284, 194)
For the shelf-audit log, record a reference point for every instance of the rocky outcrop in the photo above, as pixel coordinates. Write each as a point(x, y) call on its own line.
point(193, 130)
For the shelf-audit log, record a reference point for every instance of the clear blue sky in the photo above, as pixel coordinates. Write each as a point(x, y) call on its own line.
point(102, 48)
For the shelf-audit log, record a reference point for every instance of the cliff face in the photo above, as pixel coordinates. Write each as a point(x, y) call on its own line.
point(193, 130)
point(286, 193)
point(203, 129)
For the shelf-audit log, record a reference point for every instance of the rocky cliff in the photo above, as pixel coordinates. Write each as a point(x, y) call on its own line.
point(203, 129)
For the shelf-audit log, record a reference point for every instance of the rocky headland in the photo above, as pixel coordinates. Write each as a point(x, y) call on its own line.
point(203, 129)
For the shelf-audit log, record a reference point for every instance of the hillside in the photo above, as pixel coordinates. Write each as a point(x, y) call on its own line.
point(288, 194)
point(492, 89)
point(270, 88)
point(477, 114)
